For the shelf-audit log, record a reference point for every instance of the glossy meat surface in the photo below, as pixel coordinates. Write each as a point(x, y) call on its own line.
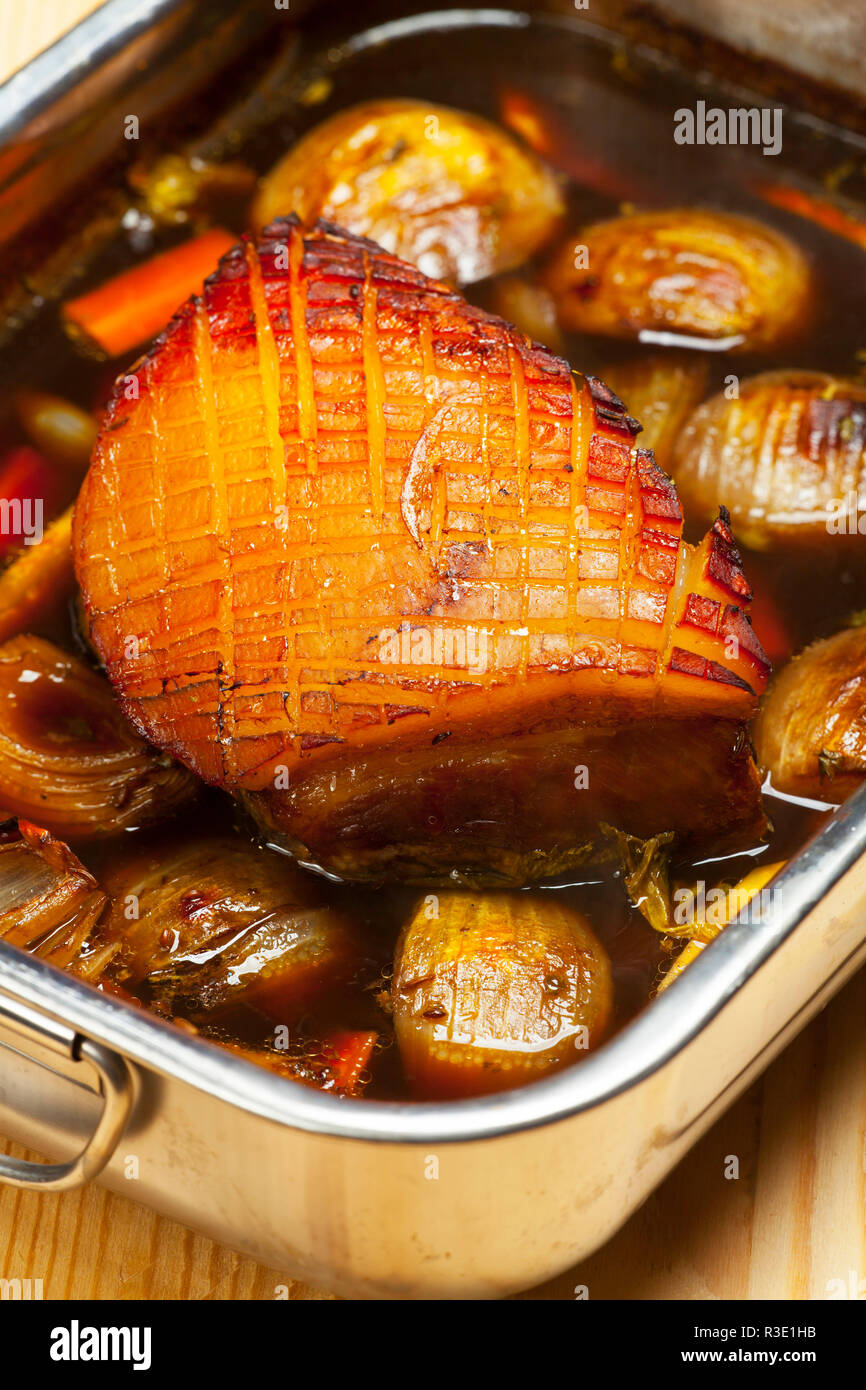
point(342, 520)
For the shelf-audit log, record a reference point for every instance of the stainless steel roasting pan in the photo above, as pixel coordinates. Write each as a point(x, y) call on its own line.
point(472, 1199)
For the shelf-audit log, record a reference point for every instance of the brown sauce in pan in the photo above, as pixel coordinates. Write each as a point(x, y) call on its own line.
point(618, 116)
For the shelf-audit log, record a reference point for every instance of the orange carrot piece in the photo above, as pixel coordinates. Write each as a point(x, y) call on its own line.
point(40, 578)
point(132, 308)
point(348, 1054)
point(822, 211)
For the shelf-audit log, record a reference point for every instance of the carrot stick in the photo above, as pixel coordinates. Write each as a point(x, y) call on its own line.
point(348, 1055)
point(822, 211)
point(39, 578)
point(690, 952)
point(132, 308)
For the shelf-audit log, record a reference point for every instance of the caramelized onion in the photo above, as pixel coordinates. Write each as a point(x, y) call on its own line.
point(531, 308)
point(446, 190)
point(68, 759)
point(685, 271)
point(661, 391)
point(811, 732)
point(219, 921)
point(63, 431)
point(787, 456)
point(490, 992)
point(48, 900)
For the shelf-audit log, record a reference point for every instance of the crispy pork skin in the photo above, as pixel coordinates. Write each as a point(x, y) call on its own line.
point(370, 559)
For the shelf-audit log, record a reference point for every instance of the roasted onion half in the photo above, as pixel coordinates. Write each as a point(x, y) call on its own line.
point(446, 190)
point(787, 455)
point(686, 271)
point(68, 758)
point(660, 390)
point(64, 431)
point(811, 731)
point(48, 901)
point(493, 991)
point(218, 922)
point(521, 300)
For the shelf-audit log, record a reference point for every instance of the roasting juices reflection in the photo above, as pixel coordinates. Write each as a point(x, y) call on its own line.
point(423, 707)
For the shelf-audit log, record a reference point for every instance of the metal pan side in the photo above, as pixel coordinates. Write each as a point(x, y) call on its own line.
point(604, 1132)
point(640, 1049)
point(339, 1193)
point(828, 862)
point(62, 116)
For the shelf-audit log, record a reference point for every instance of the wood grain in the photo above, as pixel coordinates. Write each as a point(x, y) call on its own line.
point(29, 26)
point(794, 1221)
point(792, 1224)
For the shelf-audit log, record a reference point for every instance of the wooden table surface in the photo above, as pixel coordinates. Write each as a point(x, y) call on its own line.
point(28, 26)
point(793, 1225)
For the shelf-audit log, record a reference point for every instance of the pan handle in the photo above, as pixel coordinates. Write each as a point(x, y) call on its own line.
point(117, 1095)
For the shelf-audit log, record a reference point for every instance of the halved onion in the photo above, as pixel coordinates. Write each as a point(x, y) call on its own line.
point(530, 307)
point(218, 921)
point(61, 429)
point(443, 189)
point(786, 456)
point(48, 901)
point(810, 734)
point(493, 991)
point(68, 758)
point(690, 272)
point(660, 391)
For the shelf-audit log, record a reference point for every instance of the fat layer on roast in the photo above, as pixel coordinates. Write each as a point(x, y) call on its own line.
point(368, 557)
